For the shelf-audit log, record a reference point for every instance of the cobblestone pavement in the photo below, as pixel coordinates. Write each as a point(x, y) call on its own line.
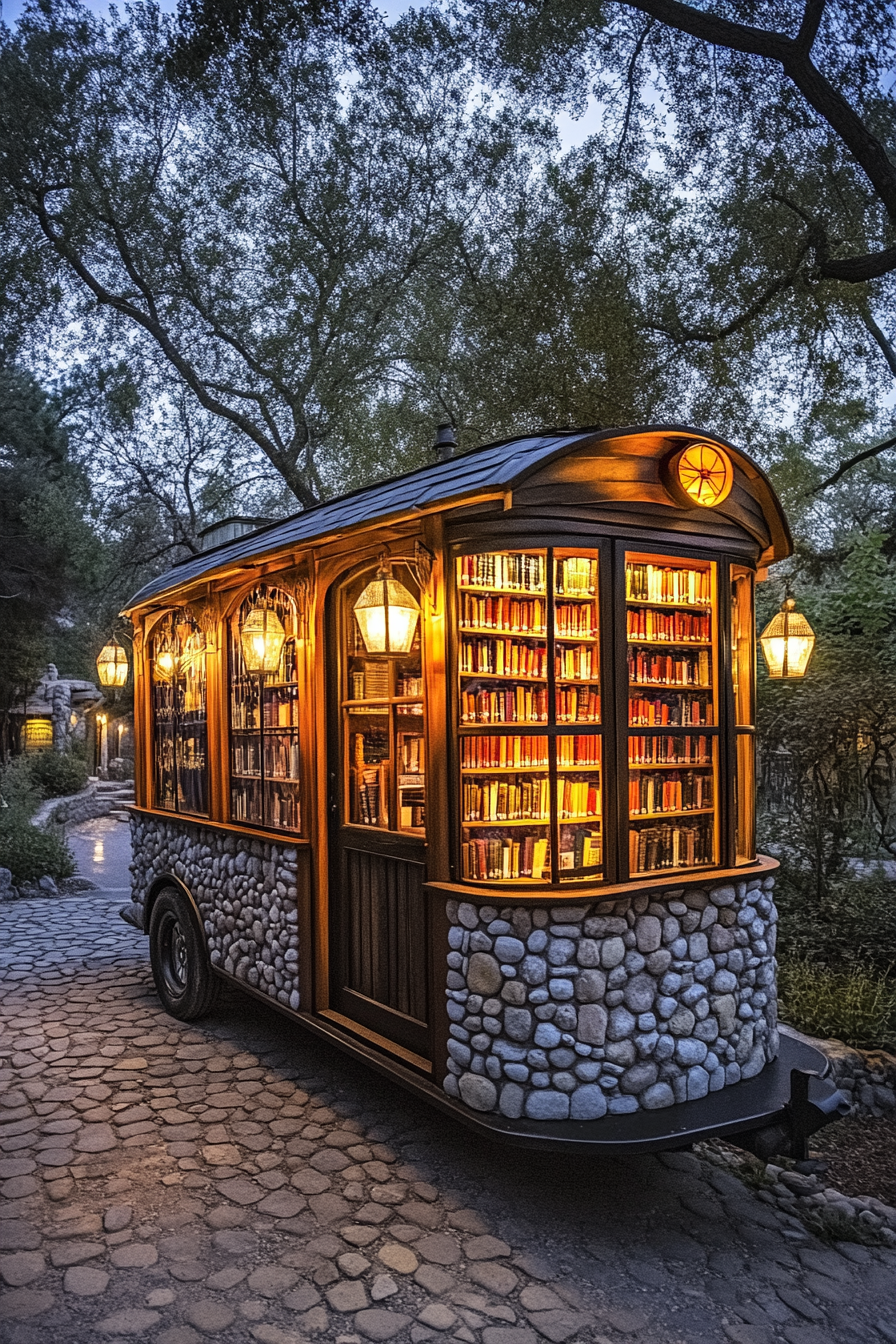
point(238, 1180)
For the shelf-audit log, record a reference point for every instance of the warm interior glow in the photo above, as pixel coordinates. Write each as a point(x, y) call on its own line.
point(387, 616)
point(705, 474)
point(166, 663)
point(262, 638)
point(787, 642)
point(112, 665)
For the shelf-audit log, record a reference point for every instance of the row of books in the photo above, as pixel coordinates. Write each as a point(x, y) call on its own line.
point(515, 615)
point(183, 696)
point(575, 621)
point(577, 706)
point(501, 753)
point(667, 584)
point(683, 710)
point(370, 682)
point(411, 754)
point(578, 798)
point(503, 569)
point(409, 684)
point(576, 575)
point(675, 626)
point(669, 669)
point(669, 750)
point(504, 657)
point(184, 789)
point(518, 704)
point(370, 797)
point(675, 792)
point(578, 663)
point(579, 750)
point(504, 800)
point(503, 858)
point(271, 805)
point(586, 851)
point(670, 845)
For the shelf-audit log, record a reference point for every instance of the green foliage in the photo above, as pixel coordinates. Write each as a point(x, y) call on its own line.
point(854, 1005)
point(31, 853)
point(57, 774)
point(832, 1225)
point(852, 923)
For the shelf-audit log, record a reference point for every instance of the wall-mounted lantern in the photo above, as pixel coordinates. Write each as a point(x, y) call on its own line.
point(112, 665)
point(262, 638)
point(387, 615)
point(787, 642)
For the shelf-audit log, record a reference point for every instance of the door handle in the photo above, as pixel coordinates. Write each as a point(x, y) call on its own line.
point(334, 797)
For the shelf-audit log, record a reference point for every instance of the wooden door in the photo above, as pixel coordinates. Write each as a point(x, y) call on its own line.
point(377, 774)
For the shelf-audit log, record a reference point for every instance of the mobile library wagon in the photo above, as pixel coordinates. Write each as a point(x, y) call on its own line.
point(457, 771)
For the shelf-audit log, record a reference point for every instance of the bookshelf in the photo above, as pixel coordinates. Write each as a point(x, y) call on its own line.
point(528, 667)
point(671, 620)
point(382, 701)
point(178, 689)
point(265, 759)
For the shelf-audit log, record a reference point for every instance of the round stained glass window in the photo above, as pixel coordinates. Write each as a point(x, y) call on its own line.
point(702, 474)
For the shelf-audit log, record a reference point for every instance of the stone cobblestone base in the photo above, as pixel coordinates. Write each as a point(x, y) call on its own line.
point(575, 1012)
point(246, 893)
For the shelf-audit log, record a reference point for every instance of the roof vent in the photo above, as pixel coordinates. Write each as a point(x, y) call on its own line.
point(445, 443)
point(228, 529)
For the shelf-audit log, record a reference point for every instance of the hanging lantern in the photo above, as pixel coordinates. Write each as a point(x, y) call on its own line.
point(262, 638)
point(112, 664)
point(387, 615)
point(166, 662)
point(787, 642)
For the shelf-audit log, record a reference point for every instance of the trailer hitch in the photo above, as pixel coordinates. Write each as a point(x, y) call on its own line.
point(814, 1102)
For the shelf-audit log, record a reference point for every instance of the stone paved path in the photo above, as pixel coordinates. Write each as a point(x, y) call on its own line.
point(239, 1181)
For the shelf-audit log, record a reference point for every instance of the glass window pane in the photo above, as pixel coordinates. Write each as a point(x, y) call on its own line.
point(580, 807)
point(745, 798)
point(265, 763)
point(178, 695)
point(383, 708)
point(743, 645)
point(671, 628)
point(576, 637)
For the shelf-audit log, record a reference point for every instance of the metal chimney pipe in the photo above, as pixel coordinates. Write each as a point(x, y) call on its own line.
point(445, 443)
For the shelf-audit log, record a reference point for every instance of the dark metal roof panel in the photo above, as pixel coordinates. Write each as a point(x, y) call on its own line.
point(495, 466)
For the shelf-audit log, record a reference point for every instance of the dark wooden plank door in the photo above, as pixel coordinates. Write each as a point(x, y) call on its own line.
point(378, 932)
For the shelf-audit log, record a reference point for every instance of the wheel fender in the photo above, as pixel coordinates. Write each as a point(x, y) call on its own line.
point(159, 885)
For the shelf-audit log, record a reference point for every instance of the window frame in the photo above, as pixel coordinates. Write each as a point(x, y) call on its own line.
point(176, 615)
point(613, 728)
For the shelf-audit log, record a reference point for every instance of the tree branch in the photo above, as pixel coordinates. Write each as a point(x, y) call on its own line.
point(851, 462)
point(709, 335)
point(886, 345)
point(793, 55)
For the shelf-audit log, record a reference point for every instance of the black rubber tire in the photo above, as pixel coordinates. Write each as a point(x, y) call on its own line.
point(179, 958)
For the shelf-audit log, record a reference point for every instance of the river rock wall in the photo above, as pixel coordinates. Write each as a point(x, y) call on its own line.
point(574, 1012)
point(246, 893)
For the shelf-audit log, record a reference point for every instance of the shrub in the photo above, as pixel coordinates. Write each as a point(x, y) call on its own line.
point(57, 774)
point(31, 853)
point(853, 924)
point(855, 1005)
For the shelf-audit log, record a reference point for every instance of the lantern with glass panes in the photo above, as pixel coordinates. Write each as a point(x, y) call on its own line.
point(387, 614)
point(112, 665)
point(262, 637)
point(787, 642)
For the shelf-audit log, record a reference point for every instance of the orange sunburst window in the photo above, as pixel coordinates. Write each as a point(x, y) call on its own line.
point(704, 474)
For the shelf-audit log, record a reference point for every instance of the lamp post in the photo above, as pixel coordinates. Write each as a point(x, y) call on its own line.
point(787, 643)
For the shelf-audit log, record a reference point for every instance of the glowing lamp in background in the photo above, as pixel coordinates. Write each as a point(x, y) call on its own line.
point(387, 615)
point(262, 638)
point(787, 642)
point(166, 663)
point(112, 664)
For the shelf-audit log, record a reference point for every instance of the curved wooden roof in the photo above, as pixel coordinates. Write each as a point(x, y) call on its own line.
point(579, 467)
